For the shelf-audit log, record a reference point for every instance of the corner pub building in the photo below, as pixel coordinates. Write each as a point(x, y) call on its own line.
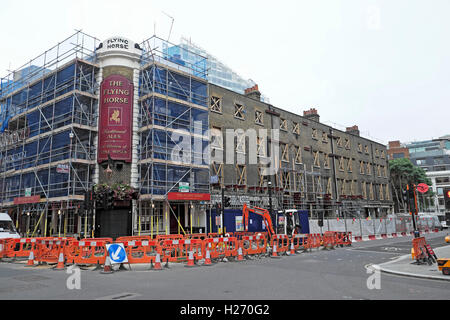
point(112, 139)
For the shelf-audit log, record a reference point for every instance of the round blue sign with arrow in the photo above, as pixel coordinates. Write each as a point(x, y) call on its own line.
point(117, 253)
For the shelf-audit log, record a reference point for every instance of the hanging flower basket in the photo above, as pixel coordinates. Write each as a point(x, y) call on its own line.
point(119, 192)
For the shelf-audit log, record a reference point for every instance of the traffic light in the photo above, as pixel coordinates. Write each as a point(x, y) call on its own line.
point(447, 199)
point(409, 198)
point(227, 203)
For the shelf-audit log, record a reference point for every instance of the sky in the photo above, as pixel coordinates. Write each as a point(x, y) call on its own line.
point(380, 64)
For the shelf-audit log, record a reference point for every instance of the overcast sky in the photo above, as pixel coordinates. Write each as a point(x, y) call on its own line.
point(383, 65)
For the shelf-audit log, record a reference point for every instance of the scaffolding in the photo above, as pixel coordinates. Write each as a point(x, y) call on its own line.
point(49, 111)
point(173, 120)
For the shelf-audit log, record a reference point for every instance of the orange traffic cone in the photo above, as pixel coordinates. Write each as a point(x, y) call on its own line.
point(60, 265)
point(107, 267)
point(190, 260)
point(30, 262)
point(274, 252)
point(292, 248)
point(207, 258)
point(157, 265)
point(240, 256)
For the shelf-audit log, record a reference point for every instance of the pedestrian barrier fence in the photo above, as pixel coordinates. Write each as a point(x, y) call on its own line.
point(329, 240)
point(420, 253)
point(343, 238)
point(88, 251)
point(300, 241)
point(178, 250)
point(220, 248)
point(48, 249)
point(253, 245)
point(281, 242)
point(314, 241)
point(167, 248)
point(140, 251)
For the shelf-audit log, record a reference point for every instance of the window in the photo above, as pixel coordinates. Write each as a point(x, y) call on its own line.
point(299, 182)
point(326, 162)
point(260, 147)
point(296, 129)
point(366, 149)
point(316, 159)
point(218, 171)
point(347, 144)
point(284, 152)
point(381, 192)
point(379, 170)
point(241, 174)
point(385, 171)
point(330, 188)
point(388, 195)
point(283, 124)
point(377, 153)
point(298, 155)
point(240, 142)
point(368, 169)
point(286, 180)
point(216, 138)
point(383, 154)
point(361, 167)
point(421, 162)
point(324, 137)
point(239, 111)
point(259, 117)
point(349, 165)
point(314, 134)
point(360, 147)
point(341, 164)
point(364, 190)
point(339, 142)
point(371, 195)
point(216, 104)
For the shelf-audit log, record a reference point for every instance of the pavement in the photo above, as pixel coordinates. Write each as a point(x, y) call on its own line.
point(406, 266)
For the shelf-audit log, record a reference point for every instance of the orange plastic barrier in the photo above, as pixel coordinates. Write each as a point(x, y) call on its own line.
point(88, 251)
point(220, 248)
point(420, 252)
point(3, 247)
point(281, 241)
point(300, 241)
point(314, 240)
point(20, 248)
point(253, 245)
point(48, 249)
point(344, 238)
point(329, 239)
point(141, 250)
point(178, 250)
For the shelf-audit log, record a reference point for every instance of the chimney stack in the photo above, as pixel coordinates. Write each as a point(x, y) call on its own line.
point(353, 130)
point(253, 93)
point(311, 114)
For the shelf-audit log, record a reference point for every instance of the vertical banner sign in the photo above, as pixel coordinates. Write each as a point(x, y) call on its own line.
point(116, 118)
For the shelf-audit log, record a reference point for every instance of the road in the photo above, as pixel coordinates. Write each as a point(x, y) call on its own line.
point(338, 274)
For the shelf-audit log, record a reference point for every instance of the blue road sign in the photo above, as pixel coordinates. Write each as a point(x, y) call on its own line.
point(117, 253)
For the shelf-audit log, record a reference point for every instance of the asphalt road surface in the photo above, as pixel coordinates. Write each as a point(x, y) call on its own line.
point(338, 274)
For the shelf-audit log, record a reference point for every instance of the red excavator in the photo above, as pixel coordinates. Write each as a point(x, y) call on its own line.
point(262, 212)
point(289, 225)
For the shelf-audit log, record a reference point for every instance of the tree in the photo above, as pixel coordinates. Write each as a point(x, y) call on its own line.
point(403, 172)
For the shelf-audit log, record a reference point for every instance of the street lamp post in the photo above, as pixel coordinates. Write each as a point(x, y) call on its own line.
point(269, 184)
